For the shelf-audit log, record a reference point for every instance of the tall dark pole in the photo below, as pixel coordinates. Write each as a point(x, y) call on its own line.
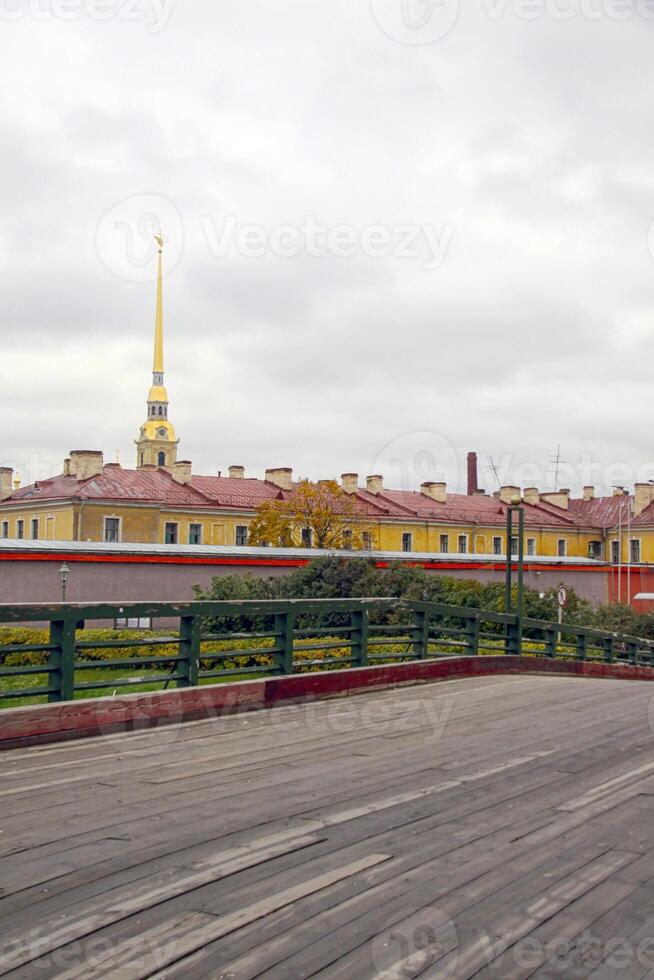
point(521, 560)
point(513, 512)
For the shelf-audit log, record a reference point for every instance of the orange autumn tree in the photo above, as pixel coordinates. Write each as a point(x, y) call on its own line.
point(333, 517)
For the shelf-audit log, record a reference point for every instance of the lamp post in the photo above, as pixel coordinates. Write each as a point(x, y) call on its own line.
point(64, 574)
point(515, 511)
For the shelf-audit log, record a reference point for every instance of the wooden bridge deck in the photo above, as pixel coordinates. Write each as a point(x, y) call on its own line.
point(497, 827)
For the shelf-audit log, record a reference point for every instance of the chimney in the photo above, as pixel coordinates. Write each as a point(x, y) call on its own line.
point(643, 497)
point(435, 491)
point(236, 472)
point(181, 471)
point(473, 482)
point(510, 495)
point(532, 496)
point(85, 463)
point(589, 493)
point(375, 484)
point(619, 492)
point(557, 498)
point(281, 476)
point(6, 481)
point(350, 482)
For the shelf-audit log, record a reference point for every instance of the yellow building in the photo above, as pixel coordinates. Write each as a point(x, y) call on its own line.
point(163, 501)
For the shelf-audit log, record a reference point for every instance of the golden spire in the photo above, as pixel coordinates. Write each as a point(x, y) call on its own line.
point(158, 361)
point(157, 442)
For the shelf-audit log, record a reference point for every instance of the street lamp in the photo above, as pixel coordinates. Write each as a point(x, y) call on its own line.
point(515, 514)
point(64, 573)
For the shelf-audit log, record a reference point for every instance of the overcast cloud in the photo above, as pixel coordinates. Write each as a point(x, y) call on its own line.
point(383, 252)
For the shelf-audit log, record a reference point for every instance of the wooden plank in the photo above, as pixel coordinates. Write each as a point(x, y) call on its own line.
point(515, 794)
point(195, 934)
point(119, 903)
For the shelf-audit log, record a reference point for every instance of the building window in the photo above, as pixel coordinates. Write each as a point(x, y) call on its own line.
point(142, 623)
point(595, 549)
point(444, 544)
point(514, 547)
point(112, 528)
point(407, 541)
point(366, 541)
point(195, 534)
point(615, 552)
point(5, 529)
point(20, 528)
point(241, 535)
point(35, 528)
point(141, 458)
point(497, 546)
point(634, 550)
point(306, 537)
point(560, 548)
point(531, 547)
point(170, 532)
point(161, 459)
point(347, 540)
point(463, 544)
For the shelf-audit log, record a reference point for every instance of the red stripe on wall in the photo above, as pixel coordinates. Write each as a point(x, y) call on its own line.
point(273, 562)
point(152, 559)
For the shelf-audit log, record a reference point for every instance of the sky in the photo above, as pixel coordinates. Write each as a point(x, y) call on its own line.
point(397, 230)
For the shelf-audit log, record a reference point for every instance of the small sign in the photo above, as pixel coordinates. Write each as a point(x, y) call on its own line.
point(563, 596)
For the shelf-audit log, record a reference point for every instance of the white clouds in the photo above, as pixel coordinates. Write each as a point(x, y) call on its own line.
point(529, 139)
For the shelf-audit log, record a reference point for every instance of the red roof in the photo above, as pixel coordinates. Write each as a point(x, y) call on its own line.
point(114, 483)
point(459, 509)
point(645, 518)
point(225, 491)
point(602, 511)
point(157, 486)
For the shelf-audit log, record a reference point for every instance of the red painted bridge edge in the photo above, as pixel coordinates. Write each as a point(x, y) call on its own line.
point(20, 727)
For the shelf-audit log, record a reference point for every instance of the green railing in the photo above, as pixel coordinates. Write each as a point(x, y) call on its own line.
point(218, 640)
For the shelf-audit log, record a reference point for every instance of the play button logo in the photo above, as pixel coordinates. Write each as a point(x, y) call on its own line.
point(416, 21)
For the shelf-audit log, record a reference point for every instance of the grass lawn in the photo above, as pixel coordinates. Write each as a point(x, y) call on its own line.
point(124, 685)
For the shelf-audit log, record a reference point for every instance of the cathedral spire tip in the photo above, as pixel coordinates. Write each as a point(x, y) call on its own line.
point(158, 360)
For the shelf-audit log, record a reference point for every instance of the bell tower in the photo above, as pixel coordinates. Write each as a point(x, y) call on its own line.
point(157, 443)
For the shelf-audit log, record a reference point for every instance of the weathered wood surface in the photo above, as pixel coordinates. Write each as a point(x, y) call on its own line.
point(489, 827)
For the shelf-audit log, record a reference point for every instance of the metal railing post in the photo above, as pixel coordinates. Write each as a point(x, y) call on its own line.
point(472, 635)
point(551, 640)
point(514, 637)
point(62, 635)
point(189, 651)
point(420, 635)
point(284, 626)
point(359, 621)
